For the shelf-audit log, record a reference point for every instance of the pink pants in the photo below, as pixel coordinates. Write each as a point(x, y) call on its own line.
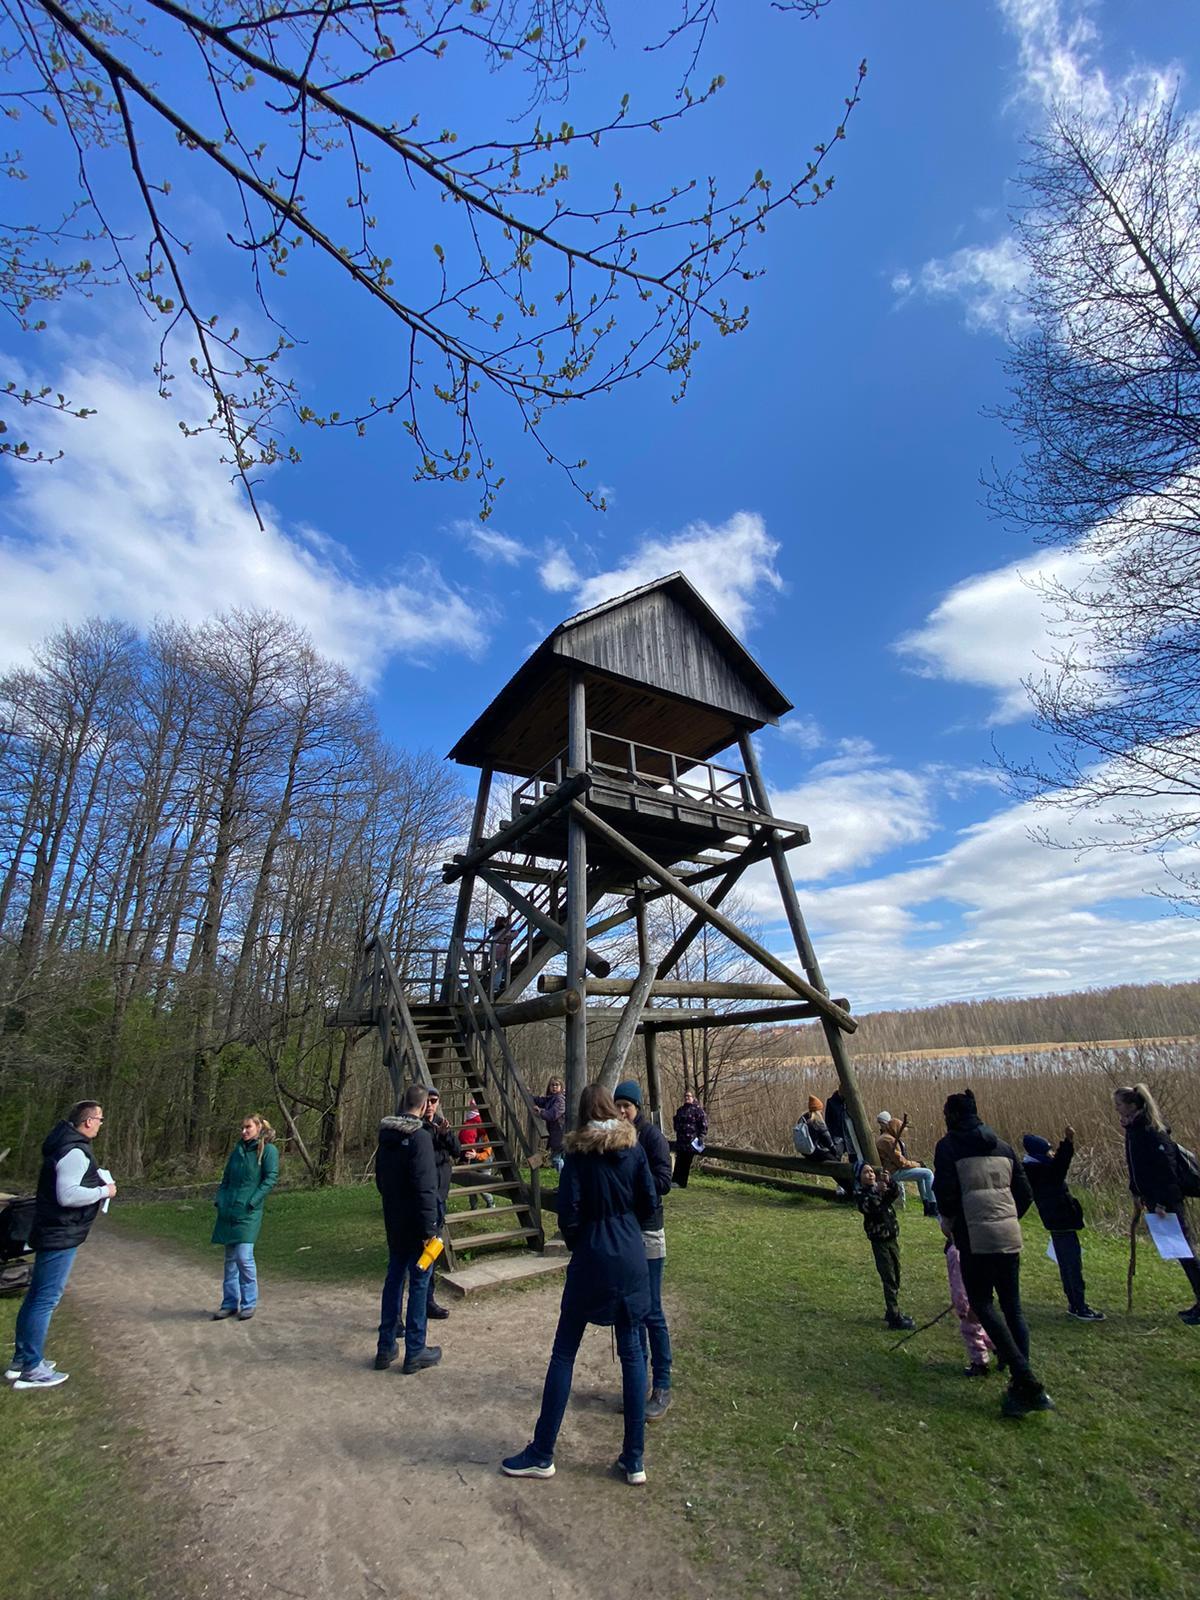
point(977, 1342)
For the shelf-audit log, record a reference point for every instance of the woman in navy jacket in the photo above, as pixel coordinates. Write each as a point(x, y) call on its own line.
point(605, 1197)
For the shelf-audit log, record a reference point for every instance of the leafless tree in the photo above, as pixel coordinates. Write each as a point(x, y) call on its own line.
point(1106, 400)
point(542, 273)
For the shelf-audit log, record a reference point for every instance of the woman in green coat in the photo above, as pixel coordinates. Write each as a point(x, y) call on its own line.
point(250, 1175)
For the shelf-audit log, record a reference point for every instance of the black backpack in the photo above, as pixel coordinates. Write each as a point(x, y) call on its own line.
point(1188, 1169)
point(16, 1224)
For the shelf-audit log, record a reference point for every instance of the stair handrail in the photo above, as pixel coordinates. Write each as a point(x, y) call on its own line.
point(527, 1139)
point(398, 1000)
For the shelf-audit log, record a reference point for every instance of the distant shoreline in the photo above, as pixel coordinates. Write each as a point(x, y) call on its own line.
point(973, 1051)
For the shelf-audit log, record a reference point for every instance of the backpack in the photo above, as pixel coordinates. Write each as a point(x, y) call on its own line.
point(1188, 1170)
point(802, 1139)
point(16, 1224)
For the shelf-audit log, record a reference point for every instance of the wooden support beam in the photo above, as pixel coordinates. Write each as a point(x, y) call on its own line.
point(676, 988)
point(544, 924)
point(507, 839)
point(462, 910)
point(575, 1065)
point(755, 851)
point(671, 1019)
point(653, 869)
point(540, 1008)
point(855, 1110)
point(618, 1049)
point(689, 934)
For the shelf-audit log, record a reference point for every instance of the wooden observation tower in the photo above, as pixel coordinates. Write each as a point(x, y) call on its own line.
point(610, 728)
point(612, 725)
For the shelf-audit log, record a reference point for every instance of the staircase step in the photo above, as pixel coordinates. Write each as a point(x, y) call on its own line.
point(486, 1241)
point(508, 1210)
point(483, 1277)
point(494, 1184)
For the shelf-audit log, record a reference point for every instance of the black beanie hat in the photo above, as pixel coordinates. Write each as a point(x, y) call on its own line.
point(958, 1108)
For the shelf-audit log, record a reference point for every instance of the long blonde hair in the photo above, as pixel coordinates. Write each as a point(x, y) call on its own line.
point(1139, 1095)
point(266, 1133)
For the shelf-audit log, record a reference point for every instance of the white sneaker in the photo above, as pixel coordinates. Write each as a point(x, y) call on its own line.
point(42, 1377)
point(15, 1372)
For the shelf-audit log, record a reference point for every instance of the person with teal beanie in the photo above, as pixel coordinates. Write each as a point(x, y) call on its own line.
point(250, 1174)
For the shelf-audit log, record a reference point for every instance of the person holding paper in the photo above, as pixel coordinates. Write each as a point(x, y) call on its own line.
point(71, 1189)
point(1061, 1215)
point(1154, 1182)
point(691, 1130)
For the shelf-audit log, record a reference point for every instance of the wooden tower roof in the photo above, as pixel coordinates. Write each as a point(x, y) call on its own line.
point(661, 669)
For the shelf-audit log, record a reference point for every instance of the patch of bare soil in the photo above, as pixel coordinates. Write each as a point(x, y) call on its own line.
point(297, 1470)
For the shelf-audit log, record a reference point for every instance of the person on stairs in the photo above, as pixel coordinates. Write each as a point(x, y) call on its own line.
point(875, 1194)
point(1061, 1214)
point(250, 1174)
point(605, 1198)
point(70, 1191)
point(446, 1151)
point(656, 1336)
point(982, 1194)
point(406, 1177)
point(472, 1136)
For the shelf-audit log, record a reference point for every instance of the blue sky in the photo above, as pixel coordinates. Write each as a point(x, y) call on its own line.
point(820, 483)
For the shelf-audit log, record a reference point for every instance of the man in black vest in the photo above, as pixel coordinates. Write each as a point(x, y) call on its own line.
point(70, 1192)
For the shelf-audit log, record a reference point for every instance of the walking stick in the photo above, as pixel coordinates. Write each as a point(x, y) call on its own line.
point(1137, 1217)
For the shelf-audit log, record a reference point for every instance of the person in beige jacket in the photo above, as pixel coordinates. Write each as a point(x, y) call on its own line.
point(895, 1159)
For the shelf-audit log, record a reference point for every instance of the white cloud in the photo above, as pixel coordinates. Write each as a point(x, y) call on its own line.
point(997, 913)
point(1055, 42)
point(138, 522)
point(490, 545)
point(731, 564)
point(987, 279)
point(805, 732)
point(996, 629)
point(558, 572)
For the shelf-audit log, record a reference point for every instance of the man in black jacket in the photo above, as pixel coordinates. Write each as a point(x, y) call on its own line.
point(982, 1193)
point(71, 1189)
point(656, 1337)
point(406, 1177)
point(446, 1151)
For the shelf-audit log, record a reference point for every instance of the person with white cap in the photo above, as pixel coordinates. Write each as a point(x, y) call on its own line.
point(897, 1162)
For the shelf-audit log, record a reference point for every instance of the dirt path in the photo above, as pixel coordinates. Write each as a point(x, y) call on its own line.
point(300, 1471)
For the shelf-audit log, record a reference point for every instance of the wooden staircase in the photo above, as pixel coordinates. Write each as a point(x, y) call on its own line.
point(447, 1037)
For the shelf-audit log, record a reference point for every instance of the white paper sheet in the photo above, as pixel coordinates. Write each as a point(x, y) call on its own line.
point(1050, 1251)
point(108, 1178)
point(698, 1146)
point(1168, 1237)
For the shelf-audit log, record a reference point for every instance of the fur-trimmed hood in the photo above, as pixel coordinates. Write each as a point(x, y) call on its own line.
point(393, 1129)
point(602, 1138)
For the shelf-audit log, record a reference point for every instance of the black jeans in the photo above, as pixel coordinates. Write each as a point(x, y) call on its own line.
point(1191, 1268)
point(887, 1264)
point(1069, 1255)
point(1000, 1275)
point(684, 1156)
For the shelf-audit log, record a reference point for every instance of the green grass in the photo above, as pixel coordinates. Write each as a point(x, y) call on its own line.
point(803, 1449)
point(75, 1517)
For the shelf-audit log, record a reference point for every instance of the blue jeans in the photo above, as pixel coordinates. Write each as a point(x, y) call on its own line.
point(1069, 1255)
point(557, 1389)
point(923, 1179)
point(51, 1269)
point(400, 1268)
point(656, 1340)
point(241, 1278)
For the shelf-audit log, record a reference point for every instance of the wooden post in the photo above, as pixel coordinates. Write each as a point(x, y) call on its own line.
point(808, 960)
point(462, 911)
point(575, 1064)
point(649, 1042)
point(618, 1049)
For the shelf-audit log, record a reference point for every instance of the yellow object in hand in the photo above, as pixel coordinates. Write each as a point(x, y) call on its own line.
point(433, 1249)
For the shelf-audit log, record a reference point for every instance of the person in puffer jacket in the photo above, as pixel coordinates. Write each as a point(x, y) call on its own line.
point(982, 1193)
point(1154, 1177)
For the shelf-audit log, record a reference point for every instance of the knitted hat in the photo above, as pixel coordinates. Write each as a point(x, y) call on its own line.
point(883, 1118)
point(1037, 1148)
point(959, 1108)
point(814, 1104)
point(629, 1090)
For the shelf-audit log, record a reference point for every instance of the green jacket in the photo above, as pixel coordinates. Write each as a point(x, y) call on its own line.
point(246, 1184)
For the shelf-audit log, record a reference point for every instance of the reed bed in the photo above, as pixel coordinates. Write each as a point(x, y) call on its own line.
point(1018, 1092)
